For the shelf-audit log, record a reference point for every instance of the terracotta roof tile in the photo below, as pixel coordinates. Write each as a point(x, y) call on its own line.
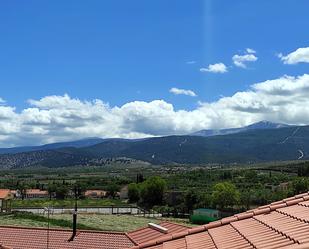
point(175, 244)
point(200, 241)
point(147, 234)
point(282, 224)
point(4, 193)
point(31, 238)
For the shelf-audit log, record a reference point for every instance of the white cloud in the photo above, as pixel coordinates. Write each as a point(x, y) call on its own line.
point(178, 91)
point(62, 118)
point(250, 51)
point(297, 56)
point(215, 68)
point(241, 60)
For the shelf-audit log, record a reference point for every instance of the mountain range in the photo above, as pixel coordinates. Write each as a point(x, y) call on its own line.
point(259, 142)
point(256, 126)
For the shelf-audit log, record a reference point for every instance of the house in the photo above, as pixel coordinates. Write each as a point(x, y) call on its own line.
point(95, 193)
point(284, 186)
point(36, 194)
point(16, 193)
point(30, 238)
point(5, 200)
point(283, 225)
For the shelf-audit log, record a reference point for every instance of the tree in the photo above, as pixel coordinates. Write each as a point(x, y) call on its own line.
point(225, 195)
point(246, 198)
point(23, 190)
point(61, 191)
point(51, 189)
point(300, 185)
point(191, 198)
point(112, 190)
point(152, 191)
point(133, 193)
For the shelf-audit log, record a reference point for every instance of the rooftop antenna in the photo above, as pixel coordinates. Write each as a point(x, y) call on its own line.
point(47, 209)
point(74, 217)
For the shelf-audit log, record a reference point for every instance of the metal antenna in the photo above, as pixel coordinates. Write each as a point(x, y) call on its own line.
point(74, 216)
point(47, 239)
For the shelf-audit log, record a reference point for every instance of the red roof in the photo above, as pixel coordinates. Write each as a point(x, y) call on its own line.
point(283, 224)
point(4, 193)
point(36, 238)
point(36, 191)
point(148, 233)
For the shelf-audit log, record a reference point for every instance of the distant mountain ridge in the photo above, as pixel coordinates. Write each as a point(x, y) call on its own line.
point(256, 126)
point(76, 144)
point(257, 144)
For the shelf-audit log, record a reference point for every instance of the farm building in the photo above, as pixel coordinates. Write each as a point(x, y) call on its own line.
point(5, 200)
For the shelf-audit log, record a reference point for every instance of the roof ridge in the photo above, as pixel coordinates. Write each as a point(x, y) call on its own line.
point(174, 223)
point(162, 221)
point(241, 216)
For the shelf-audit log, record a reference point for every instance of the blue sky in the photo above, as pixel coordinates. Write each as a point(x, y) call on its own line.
point(121, 51)
point(125, 51)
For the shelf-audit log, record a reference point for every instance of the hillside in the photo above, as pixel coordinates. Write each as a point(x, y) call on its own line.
point(259, 145)
point(250, 146)
point(76, 144)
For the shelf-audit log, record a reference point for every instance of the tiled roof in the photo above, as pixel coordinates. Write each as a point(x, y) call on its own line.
point(4, 193)
point(95, 193)
point(148, 233)
point(283, 224)
point(36, 238)
point(36, 191)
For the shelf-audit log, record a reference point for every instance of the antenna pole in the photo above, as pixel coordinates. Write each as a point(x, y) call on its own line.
point(74, 216)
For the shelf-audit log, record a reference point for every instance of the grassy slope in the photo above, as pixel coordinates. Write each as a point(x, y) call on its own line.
point(122, 223)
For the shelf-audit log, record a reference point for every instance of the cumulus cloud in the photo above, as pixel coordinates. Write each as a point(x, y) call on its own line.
point(215, 68)
point(297, 56)
point(241, 60)
point(62, 118)
point(250, 51)
point(178, 91)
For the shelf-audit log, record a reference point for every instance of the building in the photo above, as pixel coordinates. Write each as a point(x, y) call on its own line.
point(204, 215)
point(36, 194)
point(31, 238)
point(95, 193)
point(213, 213)
point(16, 193)
point(5, 200)
point(282, 225)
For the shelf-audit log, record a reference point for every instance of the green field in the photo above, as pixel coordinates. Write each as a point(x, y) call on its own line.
point(67, 203)
point(121, 223)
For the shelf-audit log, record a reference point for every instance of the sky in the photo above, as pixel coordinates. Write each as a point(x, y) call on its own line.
point(131, 69)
